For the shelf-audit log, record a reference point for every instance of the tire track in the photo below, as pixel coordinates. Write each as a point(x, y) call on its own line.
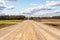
point(57, 37)
point(28, 30)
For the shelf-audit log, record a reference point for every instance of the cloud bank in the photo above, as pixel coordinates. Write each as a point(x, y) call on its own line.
point(3, 5)
point(50, 5)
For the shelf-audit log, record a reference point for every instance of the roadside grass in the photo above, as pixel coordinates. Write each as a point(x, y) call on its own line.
point(7, 23)
point(3, 25)
point(4, 21)
point(51, 22)
point(48, 20)
point(57, 25)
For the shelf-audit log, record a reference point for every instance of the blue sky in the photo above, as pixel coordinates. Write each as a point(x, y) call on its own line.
point(31, 7)
point(23, 4)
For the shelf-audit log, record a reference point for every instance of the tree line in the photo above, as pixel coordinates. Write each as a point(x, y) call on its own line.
point(12, 17)
point(21, 17)
point(53, 17)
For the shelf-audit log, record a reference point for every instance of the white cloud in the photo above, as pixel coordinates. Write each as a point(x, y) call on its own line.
point(4, 7)
point(52, 3)
point(50, 13)
point(9, 7)
point(2, 2)
point(31, 11)
point(50, 6)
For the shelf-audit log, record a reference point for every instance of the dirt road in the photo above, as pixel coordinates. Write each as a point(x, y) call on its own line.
point(29, 30)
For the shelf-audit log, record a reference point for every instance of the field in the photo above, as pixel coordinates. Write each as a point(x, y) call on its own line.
point(6, 23)
point(56, 25)
point(48, 20)
point(51, 22)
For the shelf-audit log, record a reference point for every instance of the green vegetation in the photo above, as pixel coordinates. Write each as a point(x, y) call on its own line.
point(6, 23)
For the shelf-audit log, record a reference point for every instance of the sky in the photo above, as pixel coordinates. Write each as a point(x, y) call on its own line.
point(30, 7)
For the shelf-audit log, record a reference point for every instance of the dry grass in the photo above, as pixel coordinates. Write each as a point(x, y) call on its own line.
point(3, 25)
point(48, 20)
point(7, 23)
point(57, 25)
point(51, 22)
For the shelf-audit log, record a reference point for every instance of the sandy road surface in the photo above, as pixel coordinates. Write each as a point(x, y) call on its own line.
point(29, 30)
